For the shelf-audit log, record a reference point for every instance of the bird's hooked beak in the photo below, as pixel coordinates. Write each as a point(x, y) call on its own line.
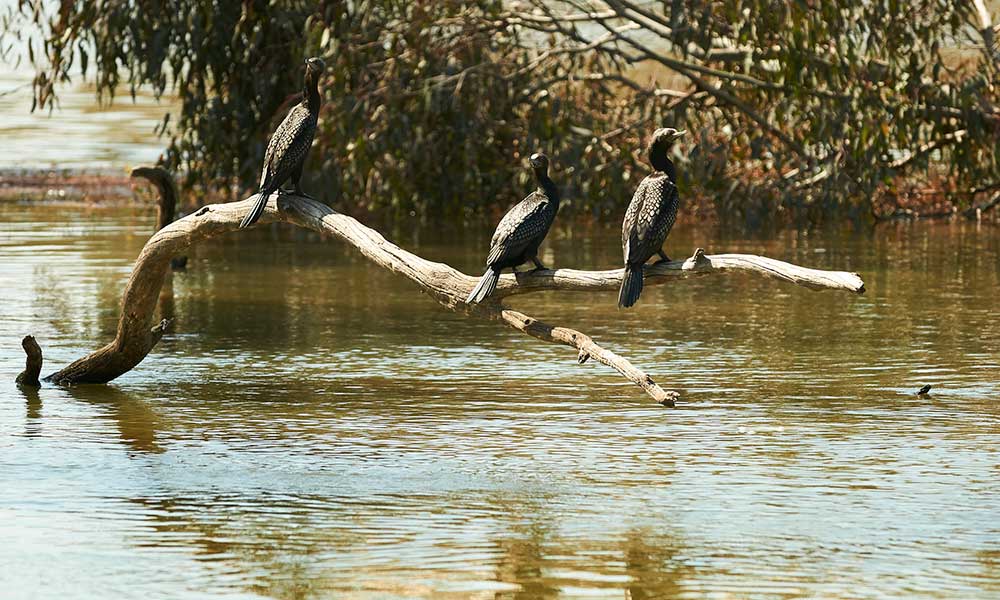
point(666, 135)
point(144, 172)
point(316, 64)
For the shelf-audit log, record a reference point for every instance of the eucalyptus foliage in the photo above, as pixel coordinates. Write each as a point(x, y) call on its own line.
point(433, 106)
point(429, 106)
point(810, 105)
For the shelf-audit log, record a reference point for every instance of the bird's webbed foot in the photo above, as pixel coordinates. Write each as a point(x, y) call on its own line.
point(663, 257)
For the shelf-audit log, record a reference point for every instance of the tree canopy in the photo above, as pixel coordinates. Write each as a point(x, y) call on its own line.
point(808, 108)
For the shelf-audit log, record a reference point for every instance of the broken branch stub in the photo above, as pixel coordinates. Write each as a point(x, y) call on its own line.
point(32, 363)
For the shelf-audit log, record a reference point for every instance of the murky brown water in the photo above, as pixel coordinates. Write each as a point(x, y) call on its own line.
point(314, 427)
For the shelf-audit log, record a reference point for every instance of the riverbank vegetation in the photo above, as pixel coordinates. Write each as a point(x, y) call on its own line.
point(797, 111)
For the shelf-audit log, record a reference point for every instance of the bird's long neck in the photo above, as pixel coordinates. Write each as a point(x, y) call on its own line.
point(310, 90)
point(661, 162)
point(546, 184)
point(168, 203)
point(669, 170)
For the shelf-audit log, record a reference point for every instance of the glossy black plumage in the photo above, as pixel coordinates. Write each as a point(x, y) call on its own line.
point(521, 231)
point(649, 217)
point(289, 146)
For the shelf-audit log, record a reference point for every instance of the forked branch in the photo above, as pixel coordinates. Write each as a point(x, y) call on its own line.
point(137, 334)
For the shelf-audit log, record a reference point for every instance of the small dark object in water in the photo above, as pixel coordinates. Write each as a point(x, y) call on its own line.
point(32, 363)
point(521, 231)
point(650, 216)
point(924, 390)
point(287, 150)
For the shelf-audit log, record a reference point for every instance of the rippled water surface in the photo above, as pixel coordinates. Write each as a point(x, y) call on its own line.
point(79, 133)
point(315, 427)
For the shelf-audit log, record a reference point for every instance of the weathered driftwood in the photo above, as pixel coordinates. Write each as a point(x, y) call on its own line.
point(137, 334)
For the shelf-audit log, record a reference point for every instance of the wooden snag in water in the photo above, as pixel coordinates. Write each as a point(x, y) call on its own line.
point(32, 363)
point(137, 334)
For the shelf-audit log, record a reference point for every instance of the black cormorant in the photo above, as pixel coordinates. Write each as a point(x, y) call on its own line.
point(650, 215)
point(167, 205)
point(287, 150)
point(521, 230)
point(164, 183)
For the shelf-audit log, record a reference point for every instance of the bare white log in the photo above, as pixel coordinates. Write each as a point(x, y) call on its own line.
point(699, 264)
point(137, 334)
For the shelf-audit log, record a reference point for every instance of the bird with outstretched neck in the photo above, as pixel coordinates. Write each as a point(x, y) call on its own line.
point(289, 146)
point(521, 231)
point(650, 215)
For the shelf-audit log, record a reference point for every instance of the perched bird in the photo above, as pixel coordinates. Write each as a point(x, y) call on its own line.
point(924, 390)
point(287, 150)
point(167, 204)
point(521, 230)
point(650, 215)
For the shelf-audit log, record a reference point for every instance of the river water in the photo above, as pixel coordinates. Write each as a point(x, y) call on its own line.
point(81, 133)
point(315, 427)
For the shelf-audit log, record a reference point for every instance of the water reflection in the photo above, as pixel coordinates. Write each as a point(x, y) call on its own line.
point(522, 562)
point(319, 545)
point(33, 404)
point(165, 303)
point(654, 565)
point(136, 421)
point(314, 427)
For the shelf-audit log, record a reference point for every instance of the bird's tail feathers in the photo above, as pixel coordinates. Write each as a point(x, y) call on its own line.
point(485, 287)
point(631, 286)
point(256, 212)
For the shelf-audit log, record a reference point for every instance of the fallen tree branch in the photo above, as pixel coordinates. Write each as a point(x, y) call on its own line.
point(699, 264)
point(976, 212)
point(136, 335)
point(826, 171)
point(925, 149)
point(587, 349)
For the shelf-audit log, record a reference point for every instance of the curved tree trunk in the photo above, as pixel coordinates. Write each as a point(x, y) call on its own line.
point(137, 334)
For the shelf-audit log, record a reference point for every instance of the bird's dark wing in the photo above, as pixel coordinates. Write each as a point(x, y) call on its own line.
point(649, 218)
point(288, 148)
point(519, 228)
